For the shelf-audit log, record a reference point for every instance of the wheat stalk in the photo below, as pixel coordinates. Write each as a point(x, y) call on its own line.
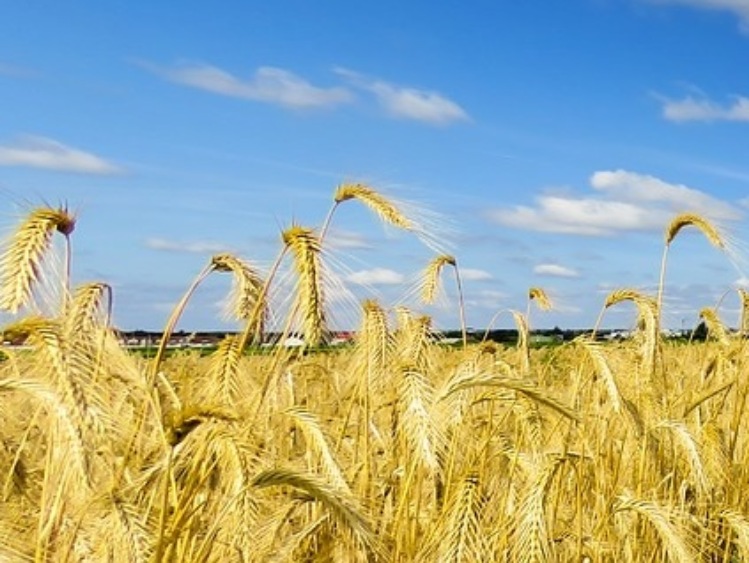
point(305, 249)
point(673, 539)
point(246, 294)
point(223, 370)
point(711, 233)
point(430, 283)
point(714, 325)
point(386, 210)
point(340, 505)
point(540, 298)
point(21, 261)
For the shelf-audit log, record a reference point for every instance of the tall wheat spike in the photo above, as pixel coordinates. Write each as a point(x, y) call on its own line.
point(22, 258)
point(462, 540)
point(532, 535)
point(305, 249)
point(223, 370)
point(521, 322)
point(84, 311)
point(416, 420)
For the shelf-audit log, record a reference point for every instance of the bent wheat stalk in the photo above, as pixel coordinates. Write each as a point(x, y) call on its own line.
point(21, 261)
point(712, 234)
point(430, 284)
point(380, 205)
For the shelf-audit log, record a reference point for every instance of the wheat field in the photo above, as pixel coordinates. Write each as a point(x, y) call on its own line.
point(396, 448)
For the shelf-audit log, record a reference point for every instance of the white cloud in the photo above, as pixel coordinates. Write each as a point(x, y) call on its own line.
point(577, 216)
point(555, 270)
point(633, 187)
point(41, 152)
point(409, 103)
point(472, 274)
point(740, 8)
point(703, 109)
point(268, 84)
point(342, 239)
point(626, 201)
point(487, 299)
point(196, 247)
point(376, 276)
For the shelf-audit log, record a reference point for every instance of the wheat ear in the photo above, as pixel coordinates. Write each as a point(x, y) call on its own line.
point(540, 298)
point(340, 505)
point(430, 284)
point(714, 325)
point(386, 210)
point(21, 261)
point(673, 539)
point(305, 248)
point(712, 234)
point(246, 293)
point(744, 319)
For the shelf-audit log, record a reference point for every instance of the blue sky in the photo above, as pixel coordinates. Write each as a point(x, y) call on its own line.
point(550, 142)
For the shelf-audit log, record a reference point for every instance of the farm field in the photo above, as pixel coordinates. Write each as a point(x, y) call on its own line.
point(395, 448)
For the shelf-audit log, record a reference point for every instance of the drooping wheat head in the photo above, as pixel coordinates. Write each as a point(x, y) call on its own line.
point(711, 232)
point(247, 298)
point(540, 298)
point(22, 259)
point(305, 249)
point(715, 326)
point(386, 210)
point(430, 278)
point(430, 227)
point(647, 314)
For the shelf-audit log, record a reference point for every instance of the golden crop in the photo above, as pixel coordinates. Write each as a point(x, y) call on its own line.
point(394, 449)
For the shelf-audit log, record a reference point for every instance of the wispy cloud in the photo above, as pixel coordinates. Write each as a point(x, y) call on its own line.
point(703, 109)
point(641, 188)
point(625, 201)
point(556, 271)
point(489, 299)
point(472, 274)
point(348, 240)
point(405, 102)
point(739, 8)
point(195, 247)
point(268, 84)
point(376, 276)
point(41, 152)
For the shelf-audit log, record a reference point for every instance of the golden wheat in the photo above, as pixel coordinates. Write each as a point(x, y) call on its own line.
point(22, 259)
